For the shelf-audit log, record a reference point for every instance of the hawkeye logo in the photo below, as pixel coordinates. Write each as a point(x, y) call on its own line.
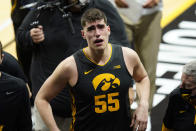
point(106, 102)
point(105, 81)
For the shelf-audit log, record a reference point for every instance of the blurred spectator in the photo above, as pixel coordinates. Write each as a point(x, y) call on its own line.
point(19, 10)
point(15, 109)
point(11, 66)
point(180, 114)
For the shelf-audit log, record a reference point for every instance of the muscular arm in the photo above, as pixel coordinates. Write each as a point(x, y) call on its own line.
point(140, 76)
point(66, 72)
point(140, 116)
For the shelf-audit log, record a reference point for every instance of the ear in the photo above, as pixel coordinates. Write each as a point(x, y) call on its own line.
point(83, 34)
point(109, 29)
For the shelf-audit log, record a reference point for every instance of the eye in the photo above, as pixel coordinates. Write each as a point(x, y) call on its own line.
point(100, 26)
point(91, 28)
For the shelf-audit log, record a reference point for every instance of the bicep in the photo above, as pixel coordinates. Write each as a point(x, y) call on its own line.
point(134, 65)
point(139, 71)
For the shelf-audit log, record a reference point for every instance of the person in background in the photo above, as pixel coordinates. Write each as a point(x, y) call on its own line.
point(100, 76)
point(144, 33)
point(11, 66)
point(180, 114)
point(15, 107)
point(52, 31)
point(18, 12)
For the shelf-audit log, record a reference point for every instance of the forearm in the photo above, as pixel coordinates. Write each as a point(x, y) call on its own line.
point(143, 91)
point(140, 116)
point(45, 111)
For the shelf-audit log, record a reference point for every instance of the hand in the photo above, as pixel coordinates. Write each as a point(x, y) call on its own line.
point(150, 3)
point(121, 3)
point(131, 95)
point(140, 118)
point(37, 34)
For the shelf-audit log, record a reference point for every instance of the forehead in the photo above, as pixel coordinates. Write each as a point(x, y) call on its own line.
point(97, 22)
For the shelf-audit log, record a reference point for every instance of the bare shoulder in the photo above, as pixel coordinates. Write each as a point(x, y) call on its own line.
point(68, 64)
point(129, 55)
point(130, 58)
point(68, 61)
point(68, 70)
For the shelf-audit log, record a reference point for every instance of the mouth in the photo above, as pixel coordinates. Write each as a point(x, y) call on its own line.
point(98, 41)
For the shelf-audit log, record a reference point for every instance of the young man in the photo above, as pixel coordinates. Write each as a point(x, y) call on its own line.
point(180, 114)
point(54, 39)
point(100, 76)
point(15, 109)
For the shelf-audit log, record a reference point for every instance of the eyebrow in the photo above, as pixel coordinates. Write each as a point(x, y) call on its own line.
point(99, 26)
point(91, 28)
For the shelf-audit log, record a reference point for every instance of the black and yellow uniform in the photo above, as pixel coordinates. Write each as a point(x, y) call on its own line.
point(60, 43)
point(100, 96)
point(180, 114)
point(15, 109)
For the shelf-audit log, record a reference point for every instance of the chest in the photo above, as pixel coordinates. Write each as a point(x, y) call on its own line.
point(104, 81)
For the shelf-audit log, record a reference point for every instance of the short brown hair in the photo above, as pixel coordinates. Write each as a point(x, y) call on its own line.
point(91, 15)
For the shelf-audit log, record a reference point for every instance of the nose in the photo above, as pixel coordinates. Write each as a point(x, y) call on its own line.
point(97, 32)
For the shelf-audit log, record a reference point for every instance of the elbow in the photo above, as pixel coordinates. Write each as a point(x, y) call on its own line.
point(143, 79)
point(41, 100)
point(37, 100)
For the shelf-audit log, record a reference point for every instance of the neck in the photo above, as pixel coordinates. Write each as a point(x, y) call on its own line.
point(99, 56)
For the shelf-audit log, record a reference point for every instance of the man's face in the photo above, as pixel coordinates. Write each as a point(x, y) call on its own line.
point(188, 83)
point(97, 34)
